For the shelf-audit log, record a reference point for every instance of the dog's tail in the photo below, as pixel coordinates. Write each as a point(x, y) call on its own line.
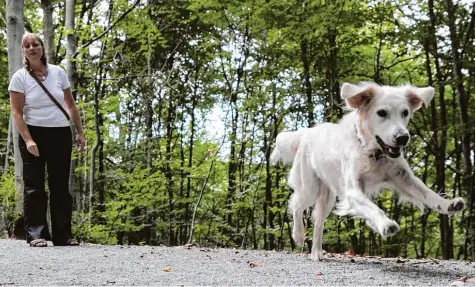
point(287, 144)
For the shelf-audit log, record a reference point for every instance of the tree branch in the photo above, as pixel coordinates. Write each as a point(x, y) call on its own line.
point(107, 29)
point(417, 130)
point(400, 61)
point(469, 34)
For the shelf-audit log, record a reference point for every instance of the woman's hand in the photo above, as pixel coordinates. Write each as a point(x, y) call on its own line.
point(81, 141)
point(32, 148)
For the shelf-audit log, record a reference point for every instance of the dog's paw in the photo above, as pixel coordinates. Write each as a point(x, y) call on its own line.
point(456, 205)
point(390, 229)
point(316, 255)
point(298, 237)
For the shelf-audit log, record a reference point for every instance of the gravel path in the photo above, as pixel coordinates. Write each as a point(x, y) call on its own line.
point(148, 265)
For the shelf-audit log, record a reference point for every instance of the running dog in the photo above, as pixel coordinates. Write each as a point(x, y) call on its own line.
point(355, 159)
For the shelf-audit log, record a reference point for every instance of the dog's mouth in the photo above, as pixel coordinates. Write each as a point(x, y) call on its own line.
point(389, 150)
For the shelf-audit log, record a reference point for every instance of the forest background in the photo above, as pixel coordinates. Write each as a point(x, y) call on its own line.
point(182, 101)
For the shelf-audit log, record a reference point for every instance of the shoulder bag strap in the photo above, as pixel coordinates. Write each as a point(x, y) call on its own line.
point(49, 95)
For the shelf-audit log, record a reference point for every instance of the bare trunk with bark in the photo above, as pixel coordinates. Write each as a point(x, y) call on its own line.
point(48, 33)
point(464, 117)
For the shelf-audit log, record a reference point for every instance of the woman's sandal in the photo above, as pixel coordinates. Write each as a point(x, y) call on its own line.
point(40, 242)
point(72, 242)
point(69, 242)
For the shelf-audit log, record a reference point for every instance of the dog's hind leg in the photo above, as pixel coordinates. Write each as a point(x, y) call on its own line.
point(297, 207)
point(304, 182)
point(324, 203)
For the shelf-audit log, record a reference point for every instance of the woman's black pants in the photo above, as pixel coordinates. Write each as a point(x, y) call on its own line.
point(54, 145)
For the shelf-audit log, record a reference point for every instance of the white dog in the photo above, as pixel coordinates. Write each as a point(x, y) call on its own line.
point(355, 159)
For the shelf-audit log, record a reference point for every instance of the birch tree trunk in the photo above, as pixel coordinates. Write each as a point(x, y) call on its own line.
point(15, 30)
point(73, 80)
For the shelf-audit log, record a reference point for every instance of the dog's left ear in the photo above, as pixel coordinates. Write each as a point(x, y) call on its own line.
point(357, 96)
point(418, 96)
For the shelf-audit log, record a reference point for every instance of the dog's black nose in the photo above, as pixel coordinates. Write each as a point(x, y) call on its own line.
point(402, 140)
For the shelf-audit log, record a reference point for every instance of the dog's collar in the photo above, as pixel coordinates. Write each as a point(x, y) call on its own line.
point(377, 154)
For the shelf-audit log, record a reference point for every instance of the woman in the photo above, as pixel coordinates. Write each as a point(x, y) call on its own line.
point(45, 142)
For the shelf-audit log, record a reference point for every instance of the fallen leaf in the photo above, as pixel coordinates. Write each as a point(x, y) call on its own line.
point(190, 245)
point(319, 273)
point(457, 283)
point(466, 279)
point(373, 256)
point(168, 269)
point(421, 262)
point(350, 252)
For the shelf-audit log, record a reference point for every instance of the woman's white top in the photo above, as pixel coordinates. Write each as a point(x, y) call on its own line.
point(39, 109)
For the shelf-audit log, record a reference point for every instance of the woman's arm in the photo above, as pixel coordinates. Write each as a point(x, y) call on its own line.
point(72, 110)
point(17, 101)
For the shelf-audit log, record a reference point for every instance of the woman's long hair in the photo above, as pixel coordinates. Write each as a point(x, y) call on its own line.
point(26, 63)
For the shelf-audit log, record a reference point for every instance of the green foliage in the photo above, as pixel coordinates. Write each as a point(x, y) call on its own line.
point(164, 72)
point(9, 199)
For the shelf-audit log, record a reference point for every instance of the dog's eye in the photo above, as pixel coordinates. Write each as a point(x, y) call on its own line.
point(382, 113)
point(405, 113)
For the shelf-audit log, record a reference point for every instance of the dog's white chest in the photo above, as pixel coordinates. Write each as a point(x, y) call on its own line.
point(374, 174)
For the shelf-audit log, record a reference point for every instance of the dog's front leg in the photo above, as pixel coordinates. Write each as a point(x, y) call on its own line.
point(414, 190)
point(357, 204)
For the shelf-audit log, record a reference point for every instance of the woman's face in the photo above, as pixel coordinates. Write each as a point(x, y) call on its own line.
point(32, 48)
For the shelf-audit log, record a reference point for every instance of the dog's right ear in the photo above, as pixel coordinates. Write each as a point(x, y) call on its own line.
point(356, 96)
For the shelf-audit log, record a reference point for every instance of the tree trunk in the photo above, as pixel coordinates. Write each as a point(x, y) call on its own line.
point(100, 182)
point(232, 160)
point(232, 166)
point(72, 78)
point(98, 144)
point(446, 235)
point(7, 148)
point(182, 228)
point(168, 169)
point(305, 58)
point(48, 33)
point(427, 44)
point(333, 83)
point(149, 108)
point(464, 117)
point(15, 30)
point(187, 216)
point(268, 200)
point(92, 170)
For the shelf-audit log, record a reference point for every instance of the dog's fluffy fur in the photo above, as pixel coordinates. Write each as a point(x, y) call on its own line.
point(355, 159)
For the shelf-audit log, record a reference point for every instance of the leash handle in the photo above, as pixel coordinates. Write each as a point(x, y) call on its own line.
point(49, 95)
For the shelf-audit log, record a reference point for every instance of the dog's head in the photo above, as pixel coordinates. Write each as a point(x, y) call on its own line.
point(385, 111)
